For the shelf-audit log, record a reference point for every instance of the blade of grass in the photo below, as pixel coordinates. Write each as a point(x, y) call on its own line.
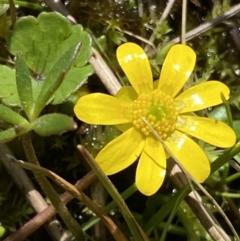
point(171, 216)
point(225, 157)
point(134, 227)
point(118, 235)
point(166, 208)
point(126, 194)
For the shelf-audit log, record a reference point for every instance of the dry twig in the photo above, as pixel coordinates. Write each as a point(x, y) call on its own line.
point(33, 197)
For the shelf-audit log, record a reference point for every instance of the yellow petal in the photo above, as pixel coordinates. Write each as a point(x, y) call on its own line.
point(121, 152)
point(127, 93)
point(190, 155)
point(135, 65)
point(203, 96)
point(212, 131)
point(151, 168)
point(176, 69)
point(101, 109)
point(124, 127)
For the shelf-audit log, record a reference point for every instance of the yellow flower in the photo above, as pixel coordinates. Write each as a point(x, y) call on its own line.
point(165, 109)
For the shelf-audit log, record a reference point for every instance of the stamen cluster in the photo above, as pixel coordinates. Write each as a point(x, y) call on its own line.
point(159, 110)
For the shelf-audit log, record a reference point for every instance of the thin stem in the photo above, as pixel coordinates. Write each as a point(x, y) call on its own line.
point(37, 221)
point(33, 197)
point(232, 177)
point(104, 73)
point(12, 11)
point(225, 157)
point(163, 17)
point(206, 26)
point(126, 194)
point(25, 4)
point(173, 229)
point(227, 194)
point(118, 235)
point(184, 19)
point(70, 222)
point(184, 219)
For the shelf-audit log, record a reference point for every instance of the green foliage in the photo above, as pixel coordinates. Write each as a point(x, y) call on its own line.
point(162, 29)
point(236, 127)
point(212, 152)
point(51, 65)
point(42, 42)
point(55, 79)
point(116, 36)
point(218, 113)
point(166, 209)
point(235, 97)
point(52, 124)
point(5, 21)
point(8, 87)
point(24, 86)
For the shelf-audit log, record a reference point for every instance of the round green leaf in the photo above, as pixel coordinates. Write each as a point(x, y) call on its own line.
point(42, 42)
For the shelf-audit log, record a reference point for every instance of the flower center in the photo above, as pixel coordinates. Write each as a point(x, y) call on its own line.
point(157, 109)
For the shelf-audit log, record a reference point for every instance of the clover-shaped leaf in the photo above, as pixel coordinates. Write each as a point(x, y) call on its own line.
point(42, 42)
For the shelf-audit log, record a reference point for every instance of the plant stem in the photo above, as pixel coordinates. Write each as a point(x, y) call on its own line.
point(62, 210)
point(126, 194)
point(26, 4)
point(232, 177)
point(225, 157)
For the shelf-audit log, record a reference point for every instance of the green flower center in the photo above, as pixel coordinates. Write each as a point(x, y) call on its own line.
point(157, 109)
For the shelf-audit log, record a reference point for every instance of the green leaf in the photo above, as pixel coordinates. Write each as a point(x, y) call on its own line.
point(219, 113)
point(5, 21)
point(9, 116)
point(24, 85)
point(166, 209)
point(7, 135)
point(8, 87)
point(53, 124)
point(79, 73)
point(235, 97)
point(37, 40)
point(236, 128)
point(42, 42)
point(225, 157)
point(78, 35)
point(55, 78)
point(11, 133)
point(74, 79)
point(116, 36)
point(162, 52)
